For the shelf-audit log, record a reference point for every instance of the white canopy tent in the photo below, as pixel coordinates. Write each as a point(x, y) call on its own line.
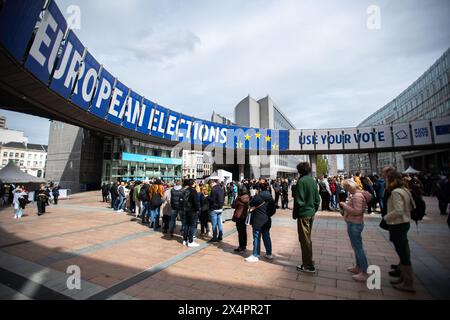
point(411, 170)
point(221, 175)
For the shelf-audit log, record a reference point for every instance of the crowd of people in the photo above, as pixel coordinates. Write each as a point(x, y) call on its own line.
point(18, 197)
point(398, 197)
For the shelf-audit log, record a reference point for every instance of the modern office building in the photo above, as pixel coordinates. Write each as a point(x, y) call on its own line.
point(221, 119)
point(427, 98)
point(80, 159)
point(31, 158)
point(264, 113)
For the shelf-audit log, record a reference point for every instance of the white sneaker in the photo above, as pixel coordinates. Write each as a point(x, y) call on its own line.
point(184, 243)
point(252, 258)
point(193, 244)
point(209, 234)
point(269, 257)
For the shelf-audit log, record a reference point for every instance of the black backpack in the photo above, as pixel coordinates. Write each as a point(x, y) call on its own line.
point(271, 208)
point(176, 199)
point(187, 202)
point(156, 201)
point(143, 196)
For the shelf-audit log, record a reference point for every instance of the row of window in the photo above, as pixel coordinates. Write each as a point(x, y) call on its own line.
point(22, 163)
point(21, 155)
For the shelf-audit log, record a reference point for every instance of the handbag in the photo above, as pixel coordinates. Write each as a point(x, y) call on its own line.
point(250, 212)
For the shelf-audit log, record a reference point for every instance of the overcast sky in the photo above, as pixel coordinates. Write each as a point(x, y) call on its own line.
point(317, 59)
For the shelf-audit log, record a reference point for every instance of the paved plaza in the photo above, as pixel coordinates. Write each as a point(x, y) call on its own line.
point(121, 259)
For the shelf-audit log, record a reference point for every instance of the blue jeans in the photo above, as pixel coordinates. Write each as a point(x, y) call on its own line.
point(120, 203)
point(265, 233)
point(173, 220)
point(216, 221)
point(333, 200)
point(154, 218)
point(145, 210)
point(18, 212)
point(354, 232)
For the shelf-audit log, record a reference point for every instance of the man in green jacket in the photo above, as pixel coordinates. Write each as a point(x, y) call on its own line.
point(306, 204)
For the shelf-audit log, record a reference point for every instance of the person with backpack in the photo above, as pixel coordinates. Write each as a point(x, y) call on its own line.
point(19, 202)
point(177, 206)
point(55, 193)
point(166, 209)
point(191, 208)
point(306, 204)
point(368, 186)
point(105, 192)
point(240, 206)
point(155, 197)
point(204, 212)
point(216, 200)
point(398, 217)
point(144, 197)
point(263, 208)
point(325, 193)
point(354, 217)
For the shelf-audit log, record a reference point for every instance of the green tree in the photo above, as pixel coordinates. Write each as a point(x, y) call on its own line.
point(322, 166)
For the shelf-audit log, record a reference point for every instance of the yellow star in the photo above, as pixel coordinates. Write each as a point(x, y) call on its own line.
point(239, 145)
point(275, 147)
point(247, 137)
point(258, 135)
point(268, 138)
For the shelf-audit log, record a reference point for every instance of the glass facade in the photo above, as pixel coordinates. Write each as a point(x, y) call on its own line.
point(427, 98)
point(126, 159)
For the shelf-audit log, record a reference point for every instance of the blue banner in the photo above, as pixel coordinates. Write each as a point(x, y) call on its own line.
point(133, 110)
point(68, 66)
point(150, 159)
point(185, 129)
point(173, 122)
point(158, 122)
point(87, 82)
point(283, 140)
point(17, 22)
point(103, 93)
point(42, 56)
point(146, 116)
point(118, 103)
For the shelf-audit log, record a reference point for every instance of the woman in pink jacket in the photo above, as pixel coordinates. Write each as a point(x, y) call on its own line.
point(354, 210)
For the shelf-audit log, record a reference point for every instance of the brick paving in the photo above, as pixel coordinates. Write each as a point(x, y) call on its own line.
point(121, 259)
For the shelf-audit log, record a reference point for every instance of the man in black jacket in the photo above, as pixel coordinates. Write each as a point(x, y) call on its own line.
point(191, 208)
point(217, 200)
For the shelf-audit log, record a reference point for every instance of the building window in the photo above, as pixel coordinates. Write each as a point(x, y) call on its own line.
point(28, 163)
point(11, 154)
point(35, 156)
point(22, 155)
point(17, 155)
point(5, 154)
point(21, 163)
point(29, 156)
point(42, 156)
